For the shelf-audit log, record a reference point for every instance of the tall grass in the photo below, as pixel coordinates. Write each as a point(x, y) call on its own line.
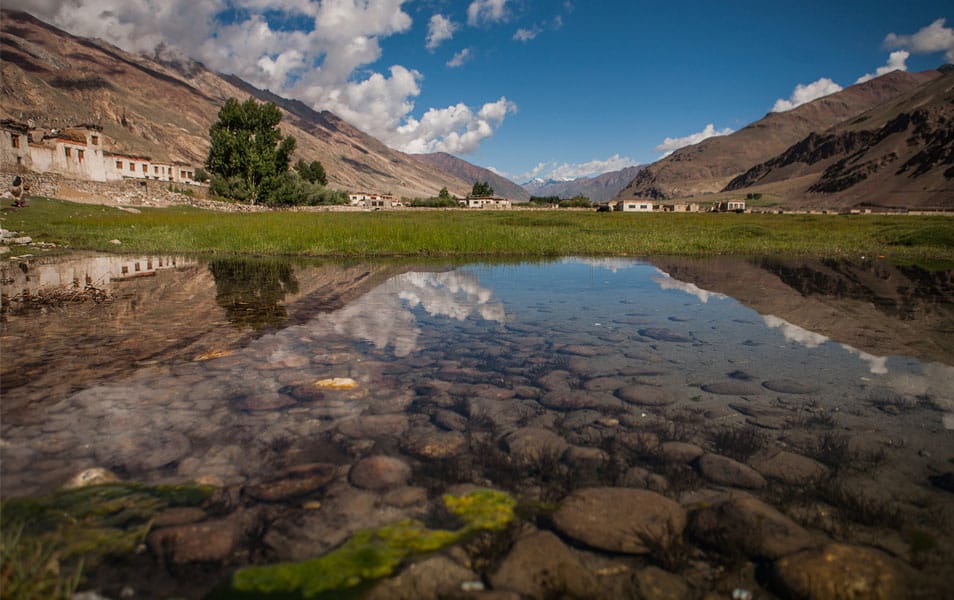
point(464, 233)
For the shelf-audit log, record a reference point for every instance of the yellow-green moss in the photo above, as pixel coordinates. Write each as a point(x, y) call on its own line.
point(375, 553)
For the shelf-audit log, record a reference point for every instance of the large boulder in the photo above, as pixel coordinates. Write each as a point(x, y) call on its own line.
point(841, 572)
point(541, 566)
point(746, 524)
point(725, 471)
point(624, 520)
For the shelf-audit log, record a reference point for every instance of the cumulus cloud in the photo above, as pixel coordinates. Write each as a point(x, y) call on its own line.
point(896, 62)
point(567, 171)
point(455, 129)
point(486, 11)
point(459, 58)
point(439, 29)
point(806, 93)
point(525, 35)
point(670, 145)
point(928, 40)
point(315, 55)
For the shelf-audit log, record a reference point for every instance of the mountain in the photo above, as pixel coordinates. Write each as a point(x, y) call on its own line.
point(462, 169)
point(163, 108)
point(708, 166)
point(898, 155)
point(598, 189)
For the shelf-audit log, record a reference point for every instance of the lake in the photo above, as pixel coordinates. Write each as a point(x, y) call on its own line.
point(719, 424)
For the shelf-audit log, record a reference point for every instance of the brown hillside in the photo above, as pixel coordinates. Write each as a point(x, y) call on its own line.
point(708, 166)
point(468, 172)
point(164, 109)
point(898, 155)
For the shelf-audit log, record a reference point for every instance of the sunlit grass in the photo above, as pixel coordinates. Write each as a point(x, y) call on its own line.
point(464, 233)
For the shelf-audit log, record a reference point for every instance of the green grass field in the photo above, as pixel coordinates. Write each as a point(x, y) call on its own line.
point(516, 233)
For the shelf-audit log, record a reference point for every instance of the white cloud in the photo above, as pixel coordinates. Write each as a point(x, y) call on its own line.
point(459, 58)
point(319, 62)
point(806, 93)
point(896, 62)
point(933, 38)
point(486, 11)
point(525, 35)
point(439, 29)
point(670, 145)
point(566, 171)
point(455, 129)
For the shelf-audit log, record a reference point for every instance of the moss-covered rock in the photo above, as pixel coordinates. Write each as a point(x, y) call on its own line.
point(373, 553)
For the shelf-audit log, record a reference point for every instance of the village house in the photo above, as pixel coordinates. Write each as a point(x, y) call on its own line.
point(377, 201)
point(730, 206)
point(78, 152)
point(488, 202)
point(634, 206)
point(682, 207)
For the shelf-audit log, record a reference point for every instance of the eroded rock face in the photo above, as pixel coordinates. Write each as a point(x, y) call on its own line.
point(624, 520)
point(541, 566)
point(748, 525)
point(841, 572)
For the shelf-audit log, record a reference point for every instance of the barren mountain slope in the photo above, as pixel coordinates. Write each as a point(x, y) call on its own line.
point(900, 154)
point(598, 189)
point(163, 109)
point(468, 172)
point(709, 165)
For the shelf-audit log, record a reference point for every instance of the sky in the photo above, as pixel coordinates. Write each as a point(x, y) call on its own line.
point(549, 89)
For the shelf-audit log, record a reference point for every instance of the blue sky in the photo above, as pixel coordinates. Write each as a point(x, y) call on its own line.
point(549, 88)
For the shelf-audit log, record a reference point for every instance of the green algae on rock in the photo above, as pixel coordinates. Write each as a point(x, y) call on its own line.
point(375, 553)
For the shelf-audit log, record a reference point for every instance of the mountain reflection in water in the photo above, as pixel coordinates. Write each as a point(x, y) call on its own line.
point(538, 378)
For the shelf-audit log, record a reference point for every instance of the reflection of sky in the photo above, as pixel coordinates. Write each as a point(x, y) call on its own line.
point(384, 316)
point(794, 333)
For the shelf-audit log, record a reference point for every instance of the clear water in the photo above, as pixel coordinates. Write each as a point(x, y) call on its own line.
point(170, 369)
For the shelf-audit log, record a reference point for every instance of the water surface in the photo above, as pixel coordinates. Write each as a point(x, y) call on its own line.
point(536, 378)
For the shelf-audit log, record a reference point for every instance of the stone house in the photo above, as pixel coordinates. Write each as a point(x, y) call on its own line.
point(79, 153)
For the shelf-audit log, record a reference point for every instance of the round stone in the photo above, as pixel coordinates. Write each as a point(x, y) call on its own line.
point(626, 520)
point(841, 571)
point(725, 471)
point(645, 395)
point(380, 473)
point(789, 386)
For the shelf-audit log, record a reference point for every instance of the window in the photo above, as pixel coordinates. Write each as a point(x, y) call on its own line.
point(68, 151)
point(94, 140)
point(156, 170)
point(119, 164)
point(80, 154)
point(132, 166)
point(15, 140)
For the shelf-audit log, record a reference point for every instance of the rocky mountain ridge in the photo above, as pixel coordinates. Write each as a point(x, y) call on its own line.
point(462, 169)
point(598, 188)
point(709, 166)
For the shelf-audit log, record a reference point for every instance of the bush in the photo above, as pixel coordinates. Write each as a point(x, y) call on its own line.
point(290, 189)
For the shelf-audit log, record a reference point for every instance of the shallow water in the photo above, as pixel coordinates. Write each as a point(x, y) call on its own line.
point(530, 377)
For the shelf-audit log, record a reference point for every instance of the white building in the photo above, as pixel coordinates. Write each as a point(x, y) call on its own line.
point(369, 200)
point(488, 202)
point(634, 206)
point(78, 152)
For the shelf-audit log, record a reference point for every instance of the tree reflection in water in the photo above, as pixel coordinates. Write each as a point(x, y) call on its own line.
point(251, 290)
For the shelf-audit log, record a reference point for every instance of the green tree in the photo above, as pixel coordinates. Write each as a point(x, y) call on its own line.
point(482, 190)
point(444, 195)
point(248, 147)
point(312, 172)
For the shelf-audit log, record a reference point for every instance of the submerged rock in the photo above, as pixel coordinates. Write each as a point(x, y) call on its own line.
point(295, 481)
point(437, 577)
point(624, 520)
point(530, 445)
point(788, 467)
point(841, 572)
point(723, 470)
point(789, 386)
point(748, 525)
point(541, 566)
point(733, 388)
point(645, 395)
point(380, 473)
point(662, 334)
point(91, 476)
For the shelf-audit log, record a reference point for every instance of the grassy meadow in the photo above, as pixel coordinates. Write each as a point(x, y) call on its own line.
point(516, 233)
